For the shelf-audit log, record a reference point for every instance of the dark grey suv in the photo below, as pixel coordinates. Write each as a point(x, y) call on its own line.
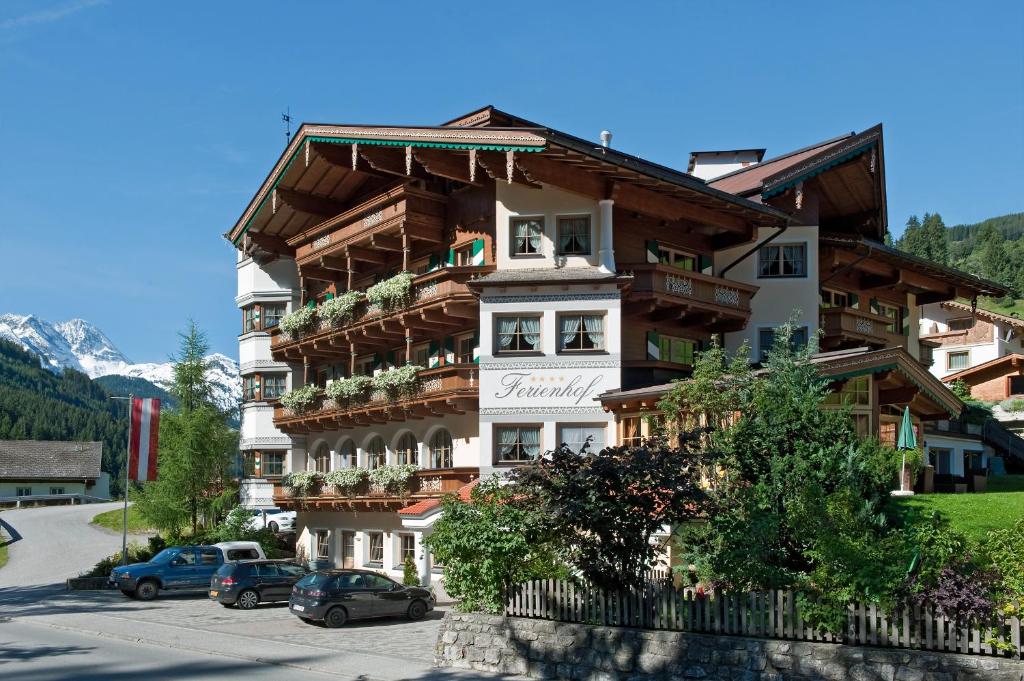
point(337, 596)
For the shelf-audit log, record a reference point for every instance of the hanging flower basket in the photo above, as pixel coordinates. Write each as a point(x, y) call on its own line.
point(393, 293)
point(340, 310)
point(399, 382)
point(393, 479)
point(298, 322)
point(346, 481)
point(350, 390)
point(302, 483)
point(300, 400)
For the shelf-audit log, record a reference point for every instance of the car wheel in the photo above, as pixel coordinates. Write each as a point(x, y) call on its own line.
point(146, 591)
point(248, 599)
point(273, 526)
point(128, 592)
point(336, 617)
point(417, 609)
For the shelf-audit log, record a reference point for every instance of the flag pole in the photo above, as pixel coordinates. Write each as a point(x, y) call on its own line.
point(127, 461)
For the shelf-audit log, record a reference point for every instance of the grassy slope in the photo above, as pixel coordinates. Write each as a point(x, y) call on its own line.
point(3, 550)
point(112, 520)
point(974, 514)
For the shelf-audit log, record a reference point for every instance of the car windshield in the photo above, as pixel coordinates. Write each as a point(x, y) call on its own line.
point(165, 556)
point(314, 580)
point(227, 569)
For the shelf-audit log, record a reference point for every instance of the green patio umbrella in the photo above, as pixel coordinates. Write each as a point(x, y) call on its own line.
point(907, 440)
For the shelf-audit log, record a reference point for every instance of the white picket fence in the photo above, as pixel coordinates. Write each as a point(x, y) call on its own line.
point(765, 614)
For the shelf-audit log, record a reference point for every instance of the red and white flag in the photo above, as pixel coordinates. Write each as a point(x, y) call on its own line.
point(145, 439)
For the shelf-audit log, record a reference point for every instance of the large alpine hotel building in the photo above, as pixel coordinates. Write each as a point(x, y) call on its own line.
point(558, 286)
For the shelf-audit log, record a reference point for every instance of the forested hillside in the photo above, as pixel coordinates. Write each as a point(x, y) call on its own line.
point(36, 404)
point(133, 385)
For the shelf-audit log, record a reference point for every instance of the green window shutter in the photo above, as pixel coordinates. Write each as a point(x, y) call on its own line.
point(704, 262)
point(652, 252)
point(311, 305)
point(449, 350)
point(329, 296)
point(435, 359)
point(853, 300)
point(451, 257)
point(653, 345)
point(478, 252)
point(433, 263)
point(476, 347)
point(905, 316)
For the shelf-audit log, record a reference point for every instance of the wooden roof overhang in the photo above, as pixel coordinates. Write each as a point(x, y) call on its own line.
point(325, 169)
point(868, 265)
point(1007, 365)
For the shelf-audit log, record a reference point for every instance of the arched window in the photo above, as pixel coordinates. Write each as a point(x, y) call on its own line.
point(376, 453)
point(441, 449)
point(348, 454)
point(322, 460)
point(406, 451)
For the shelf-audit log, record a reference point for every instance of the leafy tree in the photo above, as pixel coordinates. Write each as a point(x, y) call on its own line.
point(960, 389)
point(490, 544)
point(603, 508)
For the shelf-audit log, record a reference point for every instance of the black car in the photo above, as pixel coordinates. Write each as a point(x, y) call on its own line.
point(337, 596)
point(248, 583)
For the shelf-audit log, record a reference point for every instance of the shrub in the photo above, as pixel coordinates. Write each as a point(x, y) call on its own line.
point(1015, 404)
point(960, 389)
point(236, 527)
point(394, 479)
point(1004, 551)
point(410, 576)
point(298, 321)
point(398, 382)
point(136, 554)
point(393, 293)
point(341, 309)
point(348, 390)
point(301, 483)
point(346, 480)
point(300, 399)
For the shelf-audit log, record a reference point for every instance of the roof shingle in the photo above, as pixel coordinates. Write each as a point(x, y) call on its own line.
point(54, 460)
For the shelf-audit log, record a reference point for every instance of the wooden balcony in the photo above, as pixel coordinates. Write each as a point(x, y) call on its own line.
point(440, 302)
point(451, 389)
point(425, 484)
point(846, 327)
point(664, 293)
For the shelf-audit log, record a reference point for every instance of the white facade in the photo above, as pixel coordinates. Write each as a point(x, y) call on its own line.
point(548, 204)
point(707, 165)
point(979, 344)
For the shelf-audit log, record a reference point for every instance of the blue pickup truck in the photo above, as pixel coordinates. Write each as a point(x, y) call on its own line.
point(177, 568)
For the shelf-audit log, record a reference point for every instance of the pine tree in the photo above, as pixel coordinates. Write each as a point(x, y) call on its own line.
point(935, 239)
point(912, 240)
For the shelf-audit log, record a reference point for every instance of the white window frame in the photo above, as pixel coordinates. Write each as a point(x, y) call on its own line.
point(315, 548)
point(369, 548)
point(949, 360)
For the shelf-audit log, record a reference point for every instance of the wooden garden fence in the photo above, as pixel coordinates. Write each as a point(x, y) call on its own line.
point(766, 614)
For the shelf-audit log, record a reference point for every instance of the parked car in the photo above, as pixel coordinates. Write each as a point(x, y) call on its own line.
point(241, 550)
point(176, 568)
point(245, 584)
point(274, 519)
point(337, 596)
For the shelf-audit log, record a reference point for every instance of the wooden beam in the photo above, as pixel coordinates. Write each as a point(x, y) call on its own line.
point(390, 160)
point(366, 255)
point(897, 395)
point(461, 310)
point(497, 167)
point(318, 273)
point(310, 203)
point(385, 243)
point(422, 232)
point(274, 244)
point(871, 281)
point(439, 317)
point(333, 262)
point(444, 164)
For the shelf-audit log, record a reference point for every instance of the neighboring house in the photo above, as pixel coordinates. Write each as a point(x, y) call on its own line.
point(547, 271)
point(1000, 381)
point(964, 338)
point(32, 470)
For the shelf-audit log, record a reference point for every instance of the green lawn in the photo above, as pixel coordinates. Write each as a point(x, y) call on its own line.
point(974, 514)
point(112, 521)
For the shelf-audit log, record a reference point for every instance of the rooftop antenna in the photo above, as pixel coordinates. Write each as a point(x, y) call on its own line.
point(286, 118)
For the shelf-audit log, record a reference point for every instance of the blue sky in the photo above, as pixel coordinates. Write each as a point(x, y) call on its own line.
point(133, 133)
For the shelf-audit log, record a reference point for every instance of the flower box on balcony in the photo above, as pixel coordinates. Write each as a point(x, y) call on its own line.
point(302, 483)
point(298, 322)
point(391, 294)
point(399, 382)
point(340, 310)
point(346, 481)
point(300, 400)
point(392, 479)
point(350, 391)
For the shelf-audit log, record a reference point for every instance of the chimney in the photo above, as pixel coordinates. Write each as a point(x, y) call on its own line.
point(708, 165)
point(606, 138)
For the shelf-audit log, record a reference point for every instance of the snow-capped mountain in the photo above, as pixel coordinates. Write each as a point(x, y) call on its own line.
point(77, 344)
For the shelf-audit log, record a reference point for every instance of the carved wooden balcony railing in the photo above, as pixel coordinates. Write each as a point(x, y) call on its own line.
point(425, 484)
point(664, 293)
point(451, 389)
point(844, 326)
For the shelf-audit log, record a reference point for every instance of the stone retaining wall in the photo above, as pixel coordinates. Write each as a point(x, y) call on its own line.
point(543, 649)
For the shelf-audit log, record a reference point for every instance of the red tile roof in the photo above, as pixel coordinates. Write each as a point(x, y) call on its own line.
point(425, 505)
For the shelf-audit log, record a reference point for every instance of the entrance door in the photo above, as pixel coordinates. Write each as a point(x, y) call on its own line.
point(348, 550)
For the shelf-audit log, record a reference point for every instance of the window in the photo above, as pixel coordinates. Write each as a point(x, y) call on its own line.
point(249, 384)
point(574, 235)
point(960, 324)
point(272, 464)
point(364, 366)
point(855, 392)
point(526, 236)
point(676, 350)
point(188, 557)
point(1015, 385)
point(518, 334)
point(23, 491)
point(955, 361)
point(407, 450)
point(788, 260)
point(407, 550)
point(248, 464)
point(378, 583)
point(248, 319)
point(322, 460)
point(580, 332)
point(441, 449)
point(252, 554)
point(376, 548)
point(421, 355)
point(677, 259)
point(272, 315)
point(943, 460)
point(348, 454)
point(465, 349)
point(273, 386)
point(376, 453)
point(576, 435)
point(463, 255)
point(323, 545)
point(56, 490)
point(834, 299)
point(517, 443)
point(631, 432)
point(891, 312)
point(766, 339)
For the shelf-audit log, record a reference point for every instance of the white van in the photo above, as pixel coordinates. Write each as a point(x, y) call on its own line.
point(235, 551)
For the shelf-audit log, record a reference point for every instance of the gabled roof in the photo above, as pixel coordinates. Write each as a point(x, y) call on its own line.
point(748, 181)
point(427, 506)
point(1008, 362)
point(51, 460)
point(983, 313)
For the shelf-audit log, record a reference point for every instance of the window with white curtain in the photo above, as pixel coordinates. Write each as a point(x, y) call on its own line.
point(517, 444)
point(526, 235)
point(574, 235)
point(322, 460)
point(441, 449)
point(407, 450)
point(786, 260)
point(578, 332)
point(348, 454)
point(376, 453)
point(576, 435)
point(518, 334)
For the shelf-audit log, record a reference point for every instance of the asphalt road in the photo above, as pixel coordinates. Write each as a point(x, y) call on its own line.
point(51, 543)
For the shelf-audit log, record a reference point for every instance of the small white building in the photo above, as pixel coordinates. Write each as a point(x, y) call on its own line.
point(964, 338)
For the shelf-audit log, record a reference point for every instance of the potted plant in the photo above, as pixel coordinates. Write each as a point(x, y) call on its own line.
point(298, 321)
point(398, 382)
point(346, 480)
point(339, 310)
point(300, 400)
point(301, 483)
point(350, 390)
point(393, 293)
